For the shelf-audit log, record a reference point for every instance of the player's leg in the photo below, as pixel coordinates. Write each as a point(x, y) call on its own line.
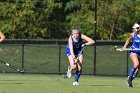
point(71, 62)
point(78, 71)
point(135, 61)
point(135, 73)
point(137, 70)
point(72, 65)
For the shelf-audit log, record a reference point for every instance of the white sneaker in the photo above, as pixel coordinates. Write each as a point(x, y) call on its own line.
point(69, 76)
point(75, 83)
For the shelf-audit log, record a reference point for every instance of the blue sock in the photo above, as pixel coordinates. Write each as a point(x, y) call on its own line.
point(77, 75)
point(134, 75)
point(132, 70)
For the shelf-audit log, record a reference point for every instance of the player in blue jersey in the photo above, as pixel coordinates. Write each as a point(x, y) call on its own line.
point(134, 54)
point(74, 48)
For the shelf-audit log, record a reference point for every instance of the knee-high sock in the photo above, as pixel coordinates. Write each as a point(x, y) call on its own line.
point(132, 70)
point(77, 75)
point(134, 75)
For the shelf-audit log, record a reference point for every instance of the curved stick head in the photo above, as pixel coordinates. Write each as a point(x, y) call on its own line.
point(115, 47)
point(65, 76)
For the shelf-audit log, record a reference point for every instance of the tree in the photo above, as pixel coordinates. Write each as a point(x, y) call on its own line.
point(115, 17)
point(25, 20)
point(112, 19)
point(32, 19)
point(80, 15)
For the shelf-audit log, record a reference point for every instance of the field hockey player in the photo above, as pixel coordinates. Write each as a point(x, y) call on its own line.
point(134, 54)
point(73, 50)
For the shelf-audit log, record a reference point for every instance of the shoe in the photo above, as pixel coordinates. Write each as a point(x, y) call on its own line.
point(129, 82)
point(75, 83)
point(69, 76)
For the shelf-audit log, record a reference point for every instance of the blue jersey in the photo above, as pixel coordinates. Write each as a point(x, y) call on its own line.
point(77, 46)
point(136, 41)
point(136, 44)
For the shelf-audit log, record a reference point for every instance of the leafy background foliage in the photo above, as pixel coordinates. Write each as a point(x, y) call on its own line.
point(54, 19)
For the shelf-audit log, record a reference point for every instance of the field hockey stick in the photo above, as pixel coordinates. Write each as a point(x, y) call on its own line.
point(68, 72)
point(125, 49)
point(11, 66)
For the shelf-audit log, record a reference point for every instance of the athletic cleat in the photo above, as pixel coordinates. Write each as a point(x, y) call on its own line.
point(129, 82)
point(69, 76)
point(75, 83)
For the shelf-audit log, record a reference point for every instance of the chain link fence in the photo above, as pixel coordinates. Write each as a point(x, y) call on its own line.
point(49, 57)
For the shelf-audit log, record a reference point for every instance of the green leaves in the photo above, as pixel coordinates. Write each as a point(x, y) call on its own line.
point(31, 19)
point(25, 20)
point(81, 15)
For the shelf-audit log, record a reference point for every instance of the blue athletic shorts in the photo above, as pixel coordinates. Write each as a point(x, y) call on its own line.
point(135, 51)
point(76, 52)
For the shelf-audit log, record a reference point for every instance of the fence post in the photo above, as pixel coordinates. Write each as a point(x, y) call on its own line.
point(23, 56)
point(95, 32)
point(59, 70)
point(94, 64)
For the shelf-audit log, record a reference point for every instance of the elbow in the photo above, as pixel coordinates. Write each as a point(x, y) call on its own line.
point(4, 38)
point(92, 42)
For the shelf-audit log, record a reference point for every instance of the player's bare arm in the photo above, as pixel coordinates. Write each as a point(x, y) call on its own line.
point(89, 40)
point(128, 40)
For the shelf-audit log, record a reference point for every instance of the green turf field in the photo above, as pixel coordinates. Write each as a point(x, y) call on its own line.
point(38, 83)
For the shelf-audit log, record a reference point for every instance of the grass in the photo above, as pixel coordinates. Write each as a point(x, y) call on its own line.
point(38, 83)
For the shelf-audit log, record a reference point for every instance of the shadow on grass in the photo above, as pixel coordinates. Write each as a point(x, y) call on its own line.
point(107, 85)
point(16, 83)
